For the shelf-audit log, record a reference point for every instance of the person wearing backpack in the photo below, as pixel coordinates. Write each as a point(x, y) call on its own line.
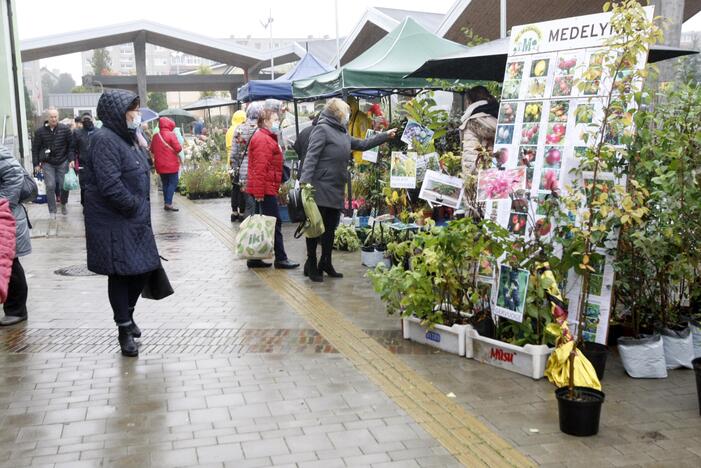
point(11, 183)
point(242, 204)
point(165, 148)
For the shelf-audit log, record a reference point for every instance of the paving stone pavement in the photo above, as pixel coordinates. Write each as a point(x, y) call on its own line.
point(231, 375)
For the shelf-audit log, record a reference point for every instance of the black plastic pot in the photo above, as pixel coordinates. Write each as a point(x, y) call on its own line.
point(579, 417)
point(596, 353)
point(485, 327)
point(697, 370)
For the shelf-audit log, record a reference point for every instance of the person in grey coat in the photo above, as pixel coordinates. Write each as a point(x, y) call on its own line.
point(326, 169)
point(118, 232)
point(11, 178)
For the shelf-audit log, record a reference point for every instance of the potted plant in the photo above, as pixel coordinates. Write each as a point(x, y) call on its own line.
point(667, 257)
point(439, 292)
point(595, 207)
point(373, 251)
point(346, 239)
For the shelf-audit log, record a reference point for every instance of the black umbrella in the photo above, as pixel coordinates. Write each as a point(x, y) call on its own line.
point(488, 62)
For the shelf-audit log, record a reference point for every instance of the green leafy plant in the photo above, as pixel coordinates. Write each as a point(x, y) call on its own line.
point(659, 274)
point(441, 284)
point(346, 239)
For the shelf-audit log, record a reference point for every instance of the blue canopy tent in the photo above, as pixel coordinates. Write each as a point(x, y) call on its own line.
point(281, 88)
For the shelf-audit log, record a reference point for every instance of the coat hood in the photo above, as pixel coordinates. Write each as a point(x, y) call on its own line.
point(5, 153)
point(328, 118)
point(238, 118)
point(164, 123)
point(479, 109)
point(112, 110)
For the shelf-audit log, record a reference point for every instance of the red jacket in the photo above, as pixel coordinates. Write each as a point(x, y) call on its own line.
point(264, 164)
point(166, 158)
point(7, 246)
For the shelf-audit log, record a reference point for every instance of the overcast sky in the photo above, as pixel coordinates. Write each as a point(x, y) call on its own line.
point(214, 18)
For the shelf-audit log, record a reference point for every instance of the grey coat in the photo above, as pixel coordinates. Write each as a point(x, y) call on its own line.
point(326, 163)
point(11, 177)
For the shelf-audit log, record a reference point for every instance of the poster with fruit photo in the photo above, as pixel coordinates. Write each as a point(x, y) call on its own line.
point(545, 120)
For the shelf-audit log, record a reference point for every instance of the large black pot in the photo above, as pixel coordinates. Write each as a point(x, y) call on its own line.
point(596, 353)
point(579, 417)
point(697, 370)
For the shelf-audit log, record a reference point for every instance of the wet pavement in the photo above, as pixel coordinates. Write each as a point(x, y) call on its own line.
point(265, 369)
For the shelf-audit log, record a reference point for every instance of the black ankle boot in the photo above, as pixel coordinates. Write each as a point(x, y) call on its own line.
point(135, 330)
point(310, 261)
point(325, 266)
point(313, 271)
point(127, 343)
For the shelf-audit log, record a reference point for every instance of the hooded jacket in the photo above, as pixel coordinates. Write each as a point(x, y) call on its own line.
point(165, 148)
point(237, 119)
point(11, 177)
point(478, 127)
point(326, 163)
point(117, 210)
point(264, 164)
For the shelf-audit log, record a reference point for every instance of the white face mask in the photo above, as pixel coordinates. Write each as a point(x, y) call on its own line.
point(345, 119)
point(136, 123)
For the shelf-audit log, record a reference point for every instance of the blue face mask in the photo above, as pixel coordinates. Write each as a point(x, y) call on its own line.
point(275, 128)
point(134, 124)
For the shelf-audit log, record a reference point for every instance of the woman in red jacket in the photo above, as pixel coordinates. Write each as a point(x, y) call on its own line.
point(264, 178)
point(165, 148)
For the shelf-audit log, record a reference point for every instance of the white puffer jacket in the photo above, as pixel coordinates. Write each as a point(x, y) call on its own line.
point(477, 131)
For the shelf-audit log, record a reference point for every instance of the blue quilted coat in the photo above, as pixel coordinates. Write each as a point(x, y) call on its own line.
point(117, 205)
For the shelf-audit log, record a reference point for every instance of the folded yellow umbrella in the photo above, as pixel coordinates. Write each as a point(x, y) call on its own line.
point(557, 369)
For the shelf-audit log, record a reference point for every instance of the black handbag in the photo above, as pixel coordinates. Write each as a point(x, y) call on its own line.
point(158, 285)
point(295, 207)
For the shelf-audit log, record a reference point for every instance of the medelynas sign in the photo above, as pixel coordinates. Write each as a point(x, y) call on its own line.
point(543, 125)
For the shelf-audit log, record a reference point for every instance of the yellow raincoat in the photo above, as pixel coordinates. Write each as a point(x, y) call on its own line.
point(358, 125)
point(237, 119)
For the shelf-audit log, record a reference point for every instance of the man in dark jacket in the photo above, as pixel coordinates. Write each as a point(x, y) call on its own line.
point(81, 145)
point(302, 142)
point(52, 153)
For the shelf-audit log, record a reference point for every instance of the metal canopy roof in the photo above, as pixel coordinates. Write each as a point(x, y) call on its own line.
point(157, 34)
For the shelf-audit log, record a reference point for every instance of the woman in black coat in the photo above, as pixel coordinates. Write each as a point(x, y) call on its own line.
point(326, 169)
point(118, 231)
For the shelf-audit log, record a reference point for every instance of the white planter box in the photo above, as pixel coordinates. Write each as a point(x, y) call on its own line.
point(529, 360)
point(448, 339)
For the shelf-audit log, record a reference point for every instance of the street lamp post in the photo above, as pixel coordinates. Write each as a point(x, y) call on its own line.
point(178, 58)
point(269, 24)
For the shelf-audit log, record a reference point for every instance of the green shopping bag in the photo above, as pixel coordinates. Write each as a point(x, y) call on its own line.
point(256, 237)
point(70, 181)
point(314, 225)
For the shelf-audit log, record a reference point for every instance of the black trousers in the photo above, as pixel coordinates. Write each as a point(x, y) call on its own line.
point(238, 199)
point(124, 292)
point(16, 303)
point(331, 217)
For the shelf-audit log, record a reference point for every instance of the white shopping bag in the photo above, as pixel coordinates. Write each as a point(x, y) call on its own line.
point(256, 237)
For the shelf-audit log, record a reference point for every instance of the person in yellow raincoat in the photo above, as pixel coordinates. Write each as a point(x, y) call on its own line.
point(358, 125)
point(237, 119)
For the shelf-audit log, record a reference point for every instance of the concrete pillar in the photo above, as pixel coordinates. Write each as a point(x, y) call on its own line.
point(673, 12)
point(140, 57)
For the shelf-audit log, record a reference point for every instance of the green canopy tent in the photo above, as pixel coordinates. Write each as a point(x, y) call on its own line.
point(382, 69)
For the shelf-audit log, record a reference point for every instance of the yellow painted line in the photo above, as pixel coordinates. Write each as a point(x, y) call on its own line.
point(467, 438)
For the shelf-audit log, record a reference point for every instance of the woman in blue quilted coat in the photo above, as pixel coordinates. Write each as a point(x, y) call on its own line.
point(118, 231)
